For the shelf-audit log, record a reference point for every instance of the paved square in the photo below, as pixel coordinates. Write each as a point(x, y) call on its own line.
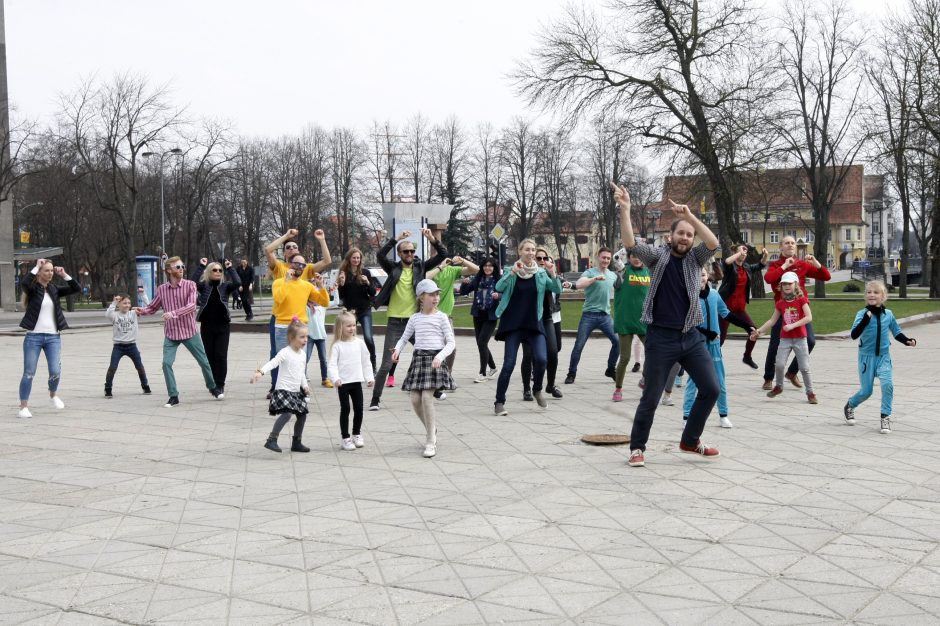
point(121, 511)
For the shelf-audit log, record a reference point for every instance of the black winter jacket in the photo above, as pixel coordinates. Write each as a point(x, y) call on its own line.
point(205, 289)
point(418, 269)
point(34, 295)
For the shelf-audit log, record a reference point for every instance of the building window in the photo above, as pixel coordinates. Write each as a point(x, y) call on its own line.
point(745, 236)
point(810, 236)
point(774, 237)
point(859, 234)
point(792, 233)
point(848, 234)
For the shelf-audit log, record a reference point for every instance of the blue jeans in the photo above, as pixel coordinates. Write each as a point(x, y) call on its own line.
point(539, 361)
point(590, 321)
point(321, 353)
point(366, 320)
point(274, 348)
point(664, 348)
point(129, 350)
point(33, 344)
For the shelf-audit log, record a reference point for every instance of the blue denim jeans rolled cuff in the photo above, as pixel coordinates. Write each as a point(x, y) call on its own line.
point(664, 348)
point(33, 344)
point(591, 321)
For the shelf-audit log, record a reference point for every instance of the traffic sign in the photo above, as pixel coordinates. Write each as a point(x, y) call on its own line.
point(498, 232)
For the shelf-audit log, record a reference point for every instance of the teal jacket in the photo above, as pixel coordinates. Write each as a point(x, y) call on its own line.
point(507, 283)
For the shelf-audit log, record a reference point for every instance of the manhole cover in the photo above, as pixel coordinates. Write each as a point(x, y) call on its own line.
point(605, 440)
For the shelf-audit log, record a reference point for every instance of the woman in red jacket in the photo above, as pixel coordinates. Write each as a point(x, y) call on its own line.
point(808, 267)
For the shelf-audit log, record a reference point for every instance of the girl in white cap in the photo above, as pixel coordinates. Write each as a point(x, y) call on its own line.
point(434, 340)
point(793, 307)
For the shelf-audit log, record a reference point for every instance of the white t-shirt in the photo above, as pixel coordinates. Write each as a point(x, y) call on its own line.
point(349, 362)
point(45, 323)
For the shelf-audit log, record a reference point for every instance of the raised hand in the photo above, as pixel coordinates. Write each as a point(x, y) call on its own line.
point(682, 211)
point(621, 195)
point(341, 279)
point(457, 260)
point(428, 234)
point(228, 264)
point(363, 279)
point(319, 235)
point(59, 271)
point(203, 261)
point(787, 263)
point(812, 259)
point(291, 233)
point(40, 262)
point(403, 235)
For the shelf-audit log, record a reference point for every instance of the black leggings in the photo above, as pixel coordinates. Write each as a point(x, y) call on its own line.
point(215, 340)
point(347, 391)
point(551, 349)
point(483, 329)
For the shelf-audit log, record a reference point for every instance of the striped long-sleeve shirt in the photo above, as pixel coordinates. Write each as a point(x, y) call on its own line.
point(179, 301)
point(431, 332)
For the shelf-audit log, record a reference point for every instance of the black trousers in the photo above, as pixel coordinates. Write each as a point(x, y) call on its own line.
point(483, 329)
point(552, 340)
point(215, 340)
point(347, 392)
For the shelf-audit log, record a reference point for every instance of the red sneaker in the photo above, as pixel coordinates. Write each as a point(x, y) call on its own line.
point(701, 449)
point(636, 458)
point(390, 381)
point(776, 391)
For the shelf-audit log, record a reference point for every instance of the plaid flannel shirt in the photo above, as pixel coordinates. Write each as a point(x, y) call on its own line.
point(656, 258)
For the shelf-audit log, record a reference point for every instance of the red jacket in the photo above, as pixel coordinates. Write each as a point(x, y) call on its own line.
point(803, 269)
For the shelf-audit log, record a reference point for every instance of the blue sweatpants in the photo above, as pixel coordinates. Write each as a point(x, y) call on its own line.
point(714, 349)
point(868, 368)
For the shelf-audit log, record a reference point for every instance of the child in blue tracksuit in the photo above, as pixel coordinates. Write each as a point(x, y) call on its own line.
point(713, 307)
point(873, 327)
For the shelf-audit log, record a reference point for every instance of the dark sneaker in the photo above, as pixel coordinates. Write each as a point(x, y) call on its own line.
point(749, 361)
point(540, 399)
point(107, 393)
point(636, 458)
point(636, 367)
point(217, 393)
point(527, 395)
point(569, 379)
point(849, 413)
point(776, 391)
point(700, 449)
point(885, 424)
point(173, 401)
point(146, 389)
point(500, 409)
point(794, 379)
point(374, 405)
point(768, 385)
point(610, 373)
point(556, 393)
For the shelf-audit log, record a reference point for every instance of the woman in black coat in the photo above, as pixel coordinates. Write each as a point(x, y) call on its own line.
point(213, 314)
point(357, 293)
point(43, 321)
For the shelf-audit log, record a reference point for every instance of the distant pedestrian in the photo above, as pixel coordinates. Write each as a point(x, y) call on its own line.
point(793, 313)
point(873, 328)
point(735, 290)
point(246, 274)
point(142, 298)
point(349, 367)
point(598, 284)
point(433, 340)
point(316, 328)
point(290, 393)
point(43, 321)
point(178, 299)
point(124, 338)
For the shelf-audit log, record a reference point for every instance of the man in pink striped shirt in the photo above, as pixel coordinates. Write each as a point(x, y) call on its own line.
point(177, 297)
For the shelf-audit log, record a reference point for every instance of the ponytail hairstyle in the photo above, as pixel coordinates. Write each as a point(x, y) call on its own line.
point(293, 329)
point(343, 318)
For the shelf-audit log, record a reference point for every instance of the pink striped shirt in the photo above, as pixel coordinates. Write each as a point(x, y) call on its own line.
point(180, 301)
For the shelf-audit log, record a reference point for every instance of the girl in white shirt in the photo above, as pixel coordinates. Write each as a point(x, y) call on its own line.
point(290, 393)
point(349, 367)
point(434, 340)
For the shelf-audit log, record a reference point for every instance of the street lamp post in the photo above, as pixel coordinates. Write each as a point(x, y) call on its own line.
point(655, 214)
point(148, 155)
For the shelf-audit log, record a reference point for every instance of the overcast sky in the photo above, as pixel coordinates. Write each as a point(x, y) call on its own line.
point(273, 67)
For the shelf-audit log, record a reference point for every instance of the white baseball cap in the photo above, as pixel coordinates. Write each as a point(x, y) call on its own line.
point(427, 286)
point(789, 277)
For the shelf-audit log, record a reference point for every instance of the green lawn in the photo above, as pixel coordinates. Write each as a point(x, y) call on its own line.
point(829, 316)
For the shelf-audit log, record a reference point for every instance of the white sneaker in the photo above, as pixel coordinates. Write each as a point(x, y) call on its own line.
point(481, 378)
point(724, 422)
point(56, 402)
point(24, 412)
point(667, 400)
point(491, 373)
point(348, 444)
point(358, 441)
point(430, 450)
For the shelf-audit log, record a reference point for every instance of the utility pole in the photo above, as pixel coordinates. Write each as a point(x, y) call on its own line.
point(7, 288)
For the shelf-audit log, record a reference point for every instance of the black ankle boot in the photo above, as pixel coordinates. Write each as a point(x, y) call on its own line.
point(297, 446)
point(271, 444)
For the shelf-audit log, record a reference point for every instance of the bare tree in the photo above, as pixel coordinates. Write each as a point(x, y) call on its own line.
point(347, 157)
point(557, 182)
point(523, 159)
point(417, 141)
point(452, 164)
point(820, 56)
point(487, 168)
point(668, 64)
point(110, 125)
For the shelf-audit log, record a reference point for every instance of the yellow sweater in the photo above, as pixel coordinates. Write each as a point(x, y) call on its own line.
point(290, 300)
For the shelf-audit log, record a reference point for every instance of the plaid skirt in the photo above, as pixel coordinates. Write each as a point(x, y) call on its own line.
point(422, 376)
point(283, 401)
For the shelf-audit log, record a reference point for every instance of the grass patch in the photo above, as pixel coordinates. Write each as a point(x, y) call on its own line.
point(829, 316)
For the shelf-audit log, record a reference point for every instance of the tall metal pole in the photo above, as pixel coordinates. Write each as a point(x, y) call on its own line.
point(163, 254)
